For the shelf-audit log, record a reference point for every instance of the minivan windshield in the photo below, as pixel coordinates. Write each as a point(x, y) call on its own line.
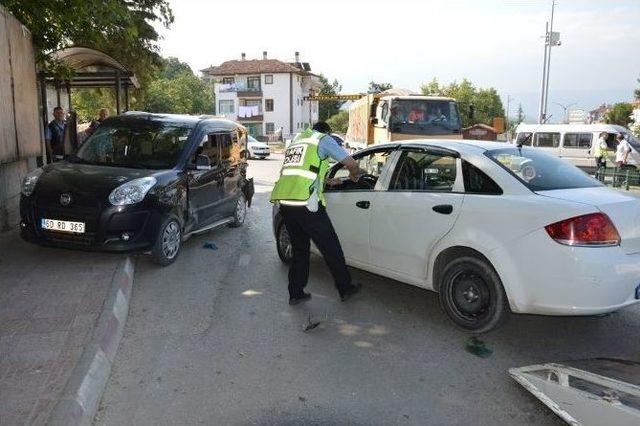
point(540, 171)
point(144, 144)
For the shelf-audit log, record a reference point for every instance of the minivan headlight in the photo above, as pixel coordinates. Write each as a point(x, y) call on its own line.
point(131, 192)
point(29, 182)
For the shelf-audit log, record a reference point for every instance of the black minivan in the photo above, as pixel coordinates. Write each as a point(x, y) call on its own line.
point(141, 182)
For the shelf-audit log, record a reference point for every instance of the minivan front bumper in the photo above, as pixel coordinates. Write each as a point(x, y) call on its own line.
point(130, 228)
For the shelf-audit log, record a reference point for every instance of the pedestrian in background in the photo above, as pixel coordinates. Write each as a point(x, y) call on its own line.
point(299, 191)
point(54, 135)
point(600, 150)
point(622, 155)
point(103, 114)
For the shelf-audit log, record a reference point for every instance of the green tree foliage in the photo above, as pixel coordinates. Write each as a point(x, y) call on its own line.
point(172, 89)
point(636, 93)
point(328, 108)
point(121, 28)
point(378, 87)
point(177, 90)
point(486, 102)
point(619, 114)
point(87, 102)
point(339, 122)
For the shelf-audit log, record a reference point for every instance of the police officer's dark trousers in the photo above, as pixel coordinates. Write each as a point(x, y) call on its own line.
point(305, 226)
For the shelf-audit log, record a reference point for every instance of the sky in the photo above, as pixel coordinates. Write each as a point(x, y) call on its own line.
point(407, 43)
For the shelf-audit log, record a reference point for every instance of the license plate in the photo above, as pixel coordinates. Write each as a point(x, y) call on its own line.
point(62, 226)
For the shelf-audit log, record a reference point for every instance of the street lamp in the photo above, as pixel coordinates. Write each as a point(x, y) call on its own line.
point(565, 108)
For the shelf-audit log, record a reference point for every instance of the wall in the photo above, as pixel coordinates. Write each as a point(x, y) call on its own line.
point(279, 92)
point(20, 133)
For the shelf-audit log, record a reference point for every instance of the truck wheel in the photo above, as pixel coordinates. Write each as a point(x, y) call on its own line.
point(283, 244)
point(168, 242)
point(240, 212)
point(471, 294)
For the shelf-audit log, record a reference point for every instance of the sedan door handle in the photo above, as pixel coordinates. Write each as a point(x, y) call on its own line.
point(363, 204)
point(443, 208)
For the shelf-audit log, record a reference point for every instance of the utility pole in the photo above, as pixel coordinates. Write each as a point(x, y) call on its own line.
point(551, 44)
point(541, 111)
point(508, 130)
point(550, 39)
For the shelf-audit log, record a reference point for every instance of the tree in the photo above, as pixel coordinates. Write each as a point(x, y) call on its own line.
point(87, 102)
point(486, 102)
point(329, 108)
point(339, 122)
point(378, 87)
point(636, 93)
point(122, 29)
point(177, 90)
point(619, 114)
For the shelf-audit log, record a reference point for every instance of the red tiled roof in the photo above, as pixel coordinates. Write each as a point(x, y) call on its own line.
point(253, 66)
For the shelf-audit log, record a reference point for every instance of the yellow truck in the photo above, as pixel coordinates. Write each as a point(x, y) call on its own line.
point(398, 114)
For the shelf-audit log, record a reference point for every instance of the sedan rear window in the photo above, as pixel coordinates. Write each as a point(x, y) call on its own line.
point(539, 171)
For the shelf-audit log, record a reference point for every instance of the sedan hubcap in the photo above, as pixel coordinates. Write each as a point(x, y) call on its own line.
point(171, 240)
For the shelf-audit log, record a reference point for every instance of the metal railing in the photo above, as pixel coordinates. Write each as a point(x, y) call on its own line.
point(625, 178)
point(237, 87)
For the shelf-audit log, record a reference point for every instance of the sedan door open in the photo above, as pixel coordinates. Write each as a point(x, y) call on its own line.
point(419, 207)
point(349, 204)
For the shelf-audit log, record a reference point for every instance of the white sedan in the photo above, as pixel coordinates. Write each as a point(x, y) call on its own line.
point(257, 149)
point(490, 227)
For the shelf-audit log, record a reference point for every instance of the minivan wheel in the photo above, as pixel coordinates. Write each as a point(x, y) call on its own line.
point(472, 295)
point(168, 242)
point(240, 212)
point(283, 244)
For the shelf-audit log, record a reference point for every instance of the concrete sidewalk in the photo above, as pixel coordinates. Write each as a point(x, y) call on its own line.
point(50, 303)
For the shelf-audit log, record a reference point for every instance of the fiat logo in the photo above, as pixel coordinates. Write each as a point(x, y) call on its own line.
point(65, 199)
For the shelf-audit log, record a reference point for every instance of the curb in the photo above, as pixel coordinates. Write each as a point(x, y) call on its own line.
point(81, 395)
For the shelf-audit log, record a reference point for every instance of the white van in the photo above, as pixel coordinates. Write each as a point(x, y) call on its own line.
point(574, 142)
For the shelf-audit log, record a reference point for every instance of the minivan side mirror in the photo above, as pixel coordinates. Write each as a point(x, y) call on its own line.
point(203, 162)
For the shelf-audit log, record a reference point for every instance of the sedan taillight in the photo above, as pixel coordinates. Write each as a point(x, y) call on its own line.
point(595, 229)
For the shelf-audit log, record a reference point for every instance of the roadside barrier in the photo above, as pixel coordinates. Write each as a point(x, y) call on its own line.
point(622, 178)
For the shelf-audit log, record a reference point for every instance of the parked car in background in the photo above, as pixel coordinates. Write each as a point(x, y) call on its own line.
point(574, 142)
point(141, 182)
point(257, 149)
point(488, 226)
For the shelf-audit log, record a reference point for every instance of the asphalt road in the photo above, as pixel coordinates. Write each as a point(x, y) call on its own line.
point(211, 339)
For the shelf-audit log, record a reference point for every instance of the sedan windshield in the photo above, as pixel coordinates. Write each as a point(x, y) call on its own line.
point(143, 144)
point(540, 171)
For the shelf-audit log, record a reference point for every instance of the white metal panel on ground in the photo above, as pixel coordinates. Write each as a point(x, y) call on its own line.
point(25, 90)
point(8, 150)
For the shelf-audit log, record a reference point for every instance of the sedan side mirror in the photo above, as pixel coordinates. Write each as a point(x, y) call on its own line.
point(203, 162)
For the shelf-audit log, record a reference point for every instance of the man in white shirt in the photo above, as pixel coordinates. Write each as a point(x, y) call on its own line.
point(622, 151)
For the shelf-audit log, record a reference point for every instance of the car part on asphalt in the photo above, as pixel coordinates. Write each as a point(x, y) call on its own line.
point(477, 347)
point(210, 245)
point(597, 391)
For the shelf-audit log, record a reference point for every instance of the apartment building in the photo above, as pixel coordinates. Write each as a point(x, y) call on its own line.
point(266, 95)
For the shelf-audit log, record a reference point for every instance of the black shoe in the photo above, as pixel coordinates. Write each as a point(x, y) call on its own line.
point(300, 299)
point(349, 293)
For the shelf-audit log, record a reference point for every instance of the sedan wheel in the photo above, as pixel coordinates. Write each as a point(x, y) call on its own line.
point(472, 295)
point(283, 244)
point(168, 243)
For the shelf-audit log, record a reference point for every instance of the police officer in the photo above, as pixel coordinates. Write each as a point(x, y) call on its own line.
point(54, 135)
point(299, 191)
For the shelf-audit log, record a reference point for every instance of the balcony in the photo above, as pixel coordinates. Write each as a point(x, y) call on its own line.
point(242, 89)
